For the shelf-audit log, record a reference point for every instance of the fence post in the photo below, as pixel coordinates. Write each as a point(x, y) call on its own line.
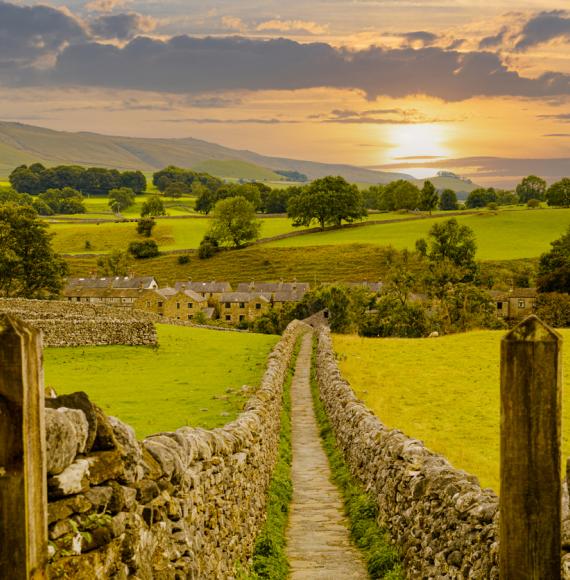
point(531, 386)
point(23, 495)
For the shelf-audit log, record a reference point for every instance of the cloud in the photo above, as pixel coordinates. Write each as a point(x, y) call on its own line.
point(217, 121)
point(121, 26)
point(420, 37)
point(213, 102)
point(292, 26)
point(184, 64)
point(381, 117)
point(544, 27)
point(494, 40)
point(30, 32)
point(233, 23)
point(106, 5)
point(563, 117)
point(557, 135)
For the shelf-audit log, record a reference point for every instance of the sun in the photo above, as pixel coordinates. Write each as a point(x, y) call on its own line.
point(416, 141)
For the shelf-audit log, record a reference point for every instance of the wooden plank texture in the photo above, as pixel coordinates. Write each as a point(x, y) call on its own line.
point(23, 495)
point(531, 386)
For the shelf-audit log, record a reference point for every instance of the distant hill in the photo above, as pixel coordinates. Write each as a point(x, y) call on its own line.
point(462, 187)
point(21, 143)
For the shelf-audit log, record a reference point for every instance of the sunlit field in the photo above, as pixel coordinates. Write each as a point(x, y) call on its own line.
point(444, 391)
point(193, 378)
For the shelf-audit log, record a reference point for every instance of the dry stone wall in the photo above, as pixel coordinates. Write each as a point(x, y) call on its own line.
point(74, 324)
point(186, 504)
point(443, 523)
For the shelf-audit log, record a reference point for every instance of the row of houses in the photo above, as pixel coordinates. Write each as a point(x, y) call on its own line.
point(247, 302)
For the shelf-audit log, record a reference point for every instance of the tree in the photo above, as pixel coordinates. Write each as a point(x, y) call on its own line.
point(554, 267)
point(24, 180)
point(234, 222)
point(428, 197)
point(208, 247)
point(558, 193)
point(63, 201)
point(448, 200)
point(531, 187)
point(373, 197)
point(121, 198)
point(143, 250)
point(329, 200)
point(401, 194)
point(29, 267)
point(153, 206)
point(145, 226)
point(134, 180)
point(554, 309)
point(480, 198)
point(114, 264)
point(176, 189)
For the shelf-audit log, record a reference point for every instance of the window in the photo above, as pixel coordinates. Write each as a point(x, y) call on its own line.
point(228, 305)
point(257, 306)
point(78, 299)
point(178, 305)
point(160, 304)
point(228, 317)
point(190, 305)
point(178, 318)
point(190, 316)
point(522, 304)
point(242, 304)
point(241, 317)
point(70, 299)
point(499, 305)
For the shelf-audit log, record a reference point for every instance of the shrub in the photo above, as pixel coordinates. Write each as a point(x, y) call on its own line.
point(533, 203)
point(208, 247)
point(142, 250)
point(145, 226)
point(184, 259)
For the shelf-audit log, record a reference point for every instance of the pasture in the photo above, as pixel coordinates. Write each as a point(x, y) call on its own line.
point(443, 391)
point(502, 235)
point(193, 378)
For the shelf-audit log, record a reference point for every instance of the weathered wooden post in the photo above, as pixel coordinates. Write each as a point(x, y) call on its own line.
point(23, 496)
point(531, 387)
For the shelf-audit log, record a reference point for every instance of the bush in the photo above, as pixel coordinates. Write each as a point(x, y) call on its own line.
point(184, 259)
point(142, 250)
point(554, 309)
point(145, 226)
point(533, 203)
point(208, 247)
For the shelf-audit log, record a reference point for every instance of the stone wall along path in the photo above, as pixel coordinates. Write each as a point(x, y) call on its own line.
point(318, 542)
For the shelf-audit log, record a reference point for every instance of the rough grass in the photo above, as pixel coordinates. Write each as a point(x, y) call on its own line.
point(193, 378)
point(381, 557)
point(269, 554)
point(503, 235)
point(443, 391)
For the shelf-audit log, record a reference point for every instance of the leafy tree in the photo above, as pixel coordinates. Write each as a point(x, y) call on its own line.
point(153, 206)
point(531, 187)
point(449, 240)
point(63, 201)
point(558, 193)
point(448, 200)
point(373, 197)
point(401, 194)
point(329, 200)
point(177, 189)
point(121, 198)
point(234, 222)
point(480, 198)
point(392, 318)
point(554, 309)
point(505, 197)
point(29, 268)
point(533, 203)
point(145, 226)
point(116, 263)
point(24, 180)
point(134, 180)
point(428, 197)
point(554, 266)
point(276, 200)
point(208, 247)
point(143, 250)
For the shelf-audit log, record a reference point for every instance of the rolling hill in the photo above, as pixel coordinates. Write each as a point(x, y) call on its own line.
point(461, 186)
point(21, 143)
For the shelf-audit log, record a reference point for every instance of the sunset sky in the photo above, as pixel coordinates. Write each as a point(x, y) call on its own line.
point(415, 86)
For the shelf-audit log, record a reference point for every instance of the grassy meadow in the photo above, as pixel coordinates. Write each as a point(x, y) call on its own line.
point(444, 391)
point(503, 235)
point(185, 381)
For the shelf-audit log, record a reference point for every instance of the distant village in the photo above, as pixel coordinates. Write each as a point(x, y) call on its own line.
point(203, 301)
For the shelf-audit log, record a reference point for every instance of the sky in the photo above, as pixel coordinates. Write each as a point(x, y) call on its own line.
point(475, 87)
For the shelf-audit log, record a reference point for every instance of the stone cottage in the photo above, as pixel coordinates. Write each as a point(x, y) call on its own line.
point(236, 307)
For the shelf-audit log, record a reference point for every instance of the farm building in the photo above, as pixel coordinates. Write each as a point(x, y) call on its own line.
point(515, 304)
point(112, 291)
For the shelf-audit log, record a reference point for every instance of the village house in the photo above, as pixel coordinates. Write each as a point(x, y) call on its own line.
point(372, 287)
point(211, 291)
point(236, 307)
point(298, 288)
point(172, 303)
point(515, 304)
point(112, 291)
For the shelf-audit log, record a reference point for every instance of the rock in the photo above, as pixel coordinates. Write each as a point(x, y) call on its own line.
point(99, 496)
point(104, 465)
point(74, 479)
point(130, 448)
point(79, 401)
point(105, 438)
point(66, 436)
point(146, 491)
point(63, 508)
point(62, 528)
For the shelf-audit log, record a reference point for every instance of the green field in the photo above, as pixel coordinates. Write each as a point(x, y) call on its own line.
point(505, 235)
point(236, 169)
point(443, 391)
point(185, 381)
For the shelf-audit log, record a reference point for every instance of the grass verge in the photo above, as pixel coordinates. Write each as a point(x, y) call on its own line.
point(269, 555)
point(381, 557)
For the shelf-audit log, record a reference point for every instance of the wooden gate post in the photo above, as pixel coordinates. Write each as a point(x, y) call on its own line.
point(23, 495)
point(531, 387)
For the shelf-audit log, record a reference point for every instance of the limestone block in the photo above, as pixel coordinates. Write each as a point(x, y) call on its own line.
point(66, 436)
point(79, 401)
point(74, 479)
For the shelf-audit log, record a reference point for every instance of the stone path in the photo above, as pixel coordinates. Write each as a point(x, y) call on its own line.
point(318, 543)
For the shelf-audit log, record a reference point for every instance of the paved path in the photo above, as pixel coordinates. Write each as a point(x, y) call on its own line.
point(318, 544)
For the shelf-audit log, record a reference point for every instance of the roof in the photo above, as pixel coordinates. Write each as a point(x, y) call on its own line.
point(102, 292)
point(243, 297)
point(121, 282)
point(513, 293)
point(204, 287)
point(288, 296)
point(193, 295)
point(273, 287)
point(372, 286)
point(208, 312)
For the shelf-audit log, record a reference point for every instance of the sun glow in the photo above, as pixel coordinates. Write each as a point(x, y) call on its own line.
point(417, 141)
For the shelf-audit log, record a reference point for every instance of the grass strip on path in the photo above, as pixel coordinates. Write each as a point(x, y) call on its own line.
point(381, 557)
point(269, 555)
